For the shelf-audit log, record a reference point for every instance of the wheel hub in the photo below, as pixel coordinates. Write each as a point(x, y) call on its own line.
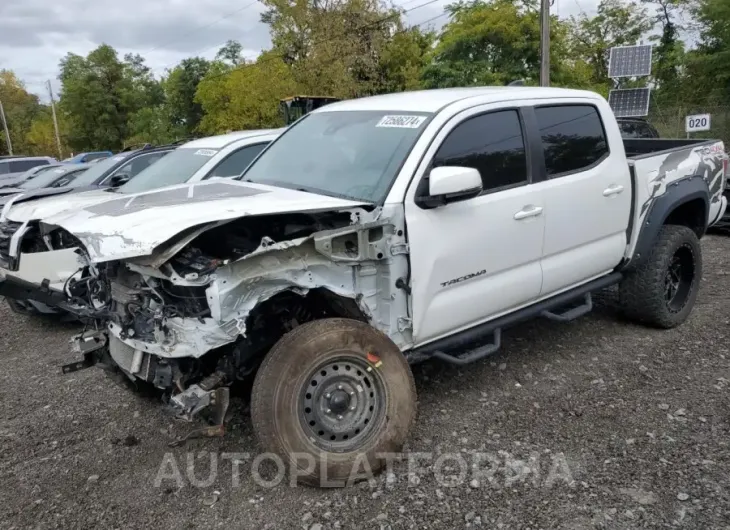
point(341, 403)
point(678, 279)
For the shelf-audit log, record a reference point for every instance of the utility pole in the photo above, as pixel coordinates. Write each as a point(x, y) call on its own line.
point(7, 134)
point(55, 122)
point(545, 43)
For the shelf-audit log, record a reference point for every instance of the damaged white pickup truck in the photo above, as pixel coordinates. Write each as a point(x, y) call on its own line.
point(378, 232)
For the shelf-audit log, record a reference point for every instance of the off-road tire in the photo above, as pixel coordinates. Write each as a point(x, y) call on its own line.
point(284, 378)
point(642, 291)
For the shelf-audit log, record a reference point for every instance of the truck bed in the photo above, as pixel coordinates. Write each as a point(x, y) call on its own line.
point(642, 147)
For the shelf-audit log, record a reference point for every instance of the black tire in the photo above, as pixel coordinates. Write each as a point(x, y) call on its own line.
point(644, 294)
point(349, 352)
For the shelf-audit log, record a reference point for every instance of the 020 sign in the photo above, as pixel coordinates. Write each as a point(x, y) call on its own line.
point(698, 122)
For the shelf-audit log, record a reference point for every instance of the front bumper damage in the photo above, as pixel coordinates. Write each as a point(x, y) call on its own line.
point(195, 355)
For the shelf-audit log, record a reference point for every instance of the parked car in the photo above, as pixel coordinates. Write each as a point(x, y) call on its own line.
point(221, 156)
point(12, 182)
point(374, 233)
point(83, 158)
point(13, 167)
point(53, 176)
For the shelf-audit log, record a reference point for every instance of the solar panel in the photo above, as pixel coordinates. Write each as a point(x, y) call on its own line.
point(630, 61)
point(629, 102)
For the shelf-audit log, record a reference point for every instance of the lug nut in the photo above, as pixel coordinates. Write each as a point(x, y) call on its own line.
point(339, 417)
point(327, 396)
point(328, 411)
point(352, 408)
point(352, 393)
point(339, 387)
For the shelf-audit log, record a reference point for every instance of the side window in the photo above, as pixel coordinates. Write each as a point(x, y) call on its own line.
point(137, 164)
point(25, 165)
point(572, 137)
point(628, 129)
point(4, 168)
point(236, 162)
point(491, 143)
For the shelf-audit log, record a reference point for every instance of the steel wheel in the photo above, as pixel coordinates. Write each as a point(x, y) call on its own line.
point(342, 403)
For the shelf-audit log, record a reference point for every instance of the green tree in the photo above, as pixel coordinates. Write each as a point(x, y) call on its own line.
point(230, 53)
point(708, 67)
point(41, 136)
point(100, 95)
point(180, 86)
point(498, 41)
point(337, 47)
point(617, 23)
point(20, 108)
point(245, 98)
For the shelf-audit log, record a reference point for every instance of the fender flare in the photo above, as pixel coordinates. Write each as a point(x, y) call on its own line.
point(677, 194)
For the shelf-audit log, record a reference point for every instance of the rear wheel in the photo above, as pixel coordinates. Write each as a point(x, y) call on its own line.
point(662, 291)
point(332, 398)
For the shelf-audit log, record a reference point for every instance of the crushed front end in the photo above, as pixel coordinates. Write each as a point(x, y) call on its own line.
point(200, 313)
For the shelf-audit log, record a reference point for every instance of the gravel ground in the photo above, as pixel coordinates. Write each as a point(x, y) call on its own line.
point(594, 424)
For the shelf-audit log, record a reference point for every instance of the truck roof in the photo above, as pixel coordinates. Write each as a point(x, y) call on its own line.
point(222, 140)
point(434, 100)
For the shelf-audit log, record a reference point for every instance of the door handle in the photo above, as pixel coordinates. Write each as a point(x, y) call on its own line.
point(528, 211)
point(614, 189)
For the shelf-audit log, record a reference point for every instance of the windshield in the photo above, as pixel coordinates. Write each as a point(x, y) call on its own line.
point(175, 168)
point(96, 171)
point(43, 179)
point(353, 154)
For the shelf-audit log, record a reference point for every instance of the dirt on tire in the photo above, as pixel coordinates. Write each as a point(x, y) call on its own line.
point(641, 292)
point(284, 373)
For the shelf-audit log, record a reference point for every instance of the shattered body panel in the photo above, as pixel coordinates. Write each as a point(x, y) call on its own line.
point(135, 226)
point(359, 260)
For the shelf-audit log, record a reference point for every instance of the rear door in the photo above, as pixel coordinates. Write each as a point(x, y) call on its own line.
point(587, 195)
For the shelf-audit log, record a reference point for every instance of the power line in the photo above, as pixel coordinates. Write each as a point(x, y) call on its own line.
point(381, 20)
point(180, 37)
point(160, 70)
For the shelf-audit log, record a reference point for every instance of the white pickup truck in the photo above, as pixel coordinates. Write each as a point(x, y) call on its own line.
point(379, 232)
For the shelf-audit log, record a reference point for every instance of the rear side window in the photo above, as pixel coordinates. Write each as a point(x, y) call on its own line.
point(24, 165)
point(236, 162)
point(572, 137)
point(491, 143)
point(4, 168)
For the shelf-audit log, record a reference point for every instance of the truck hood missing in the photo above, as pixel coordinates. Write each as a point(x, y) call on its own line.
point(135, 225)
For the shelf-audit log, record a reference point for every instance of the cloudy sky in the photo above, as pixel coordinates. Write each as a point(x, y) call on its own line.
point(36, 34)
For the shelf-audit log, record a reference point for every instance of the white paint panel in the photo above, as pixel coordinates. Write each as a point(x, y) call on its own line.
point(55, 265)
point(469, 237)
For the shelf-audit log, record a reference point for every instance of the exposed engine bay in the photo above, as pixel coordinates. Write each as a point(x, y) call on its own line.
point(196, 317)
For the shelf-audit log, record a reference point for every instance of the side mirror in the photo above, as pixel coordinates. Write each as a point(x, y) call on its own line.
point(450, 184)
point(118, 180)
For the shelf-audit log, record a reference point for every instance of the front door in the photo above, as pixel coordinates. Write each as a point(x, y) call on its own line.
point(476, 259)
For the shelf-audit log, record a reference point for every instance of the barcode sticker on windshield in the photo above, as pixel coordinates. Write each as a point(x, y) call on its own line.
point(205, 152)
point(402, 121)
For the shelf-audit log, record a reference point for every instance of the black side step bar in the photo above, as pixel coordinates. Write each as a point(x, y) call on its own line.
point(494, 327)
point(571, 314)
